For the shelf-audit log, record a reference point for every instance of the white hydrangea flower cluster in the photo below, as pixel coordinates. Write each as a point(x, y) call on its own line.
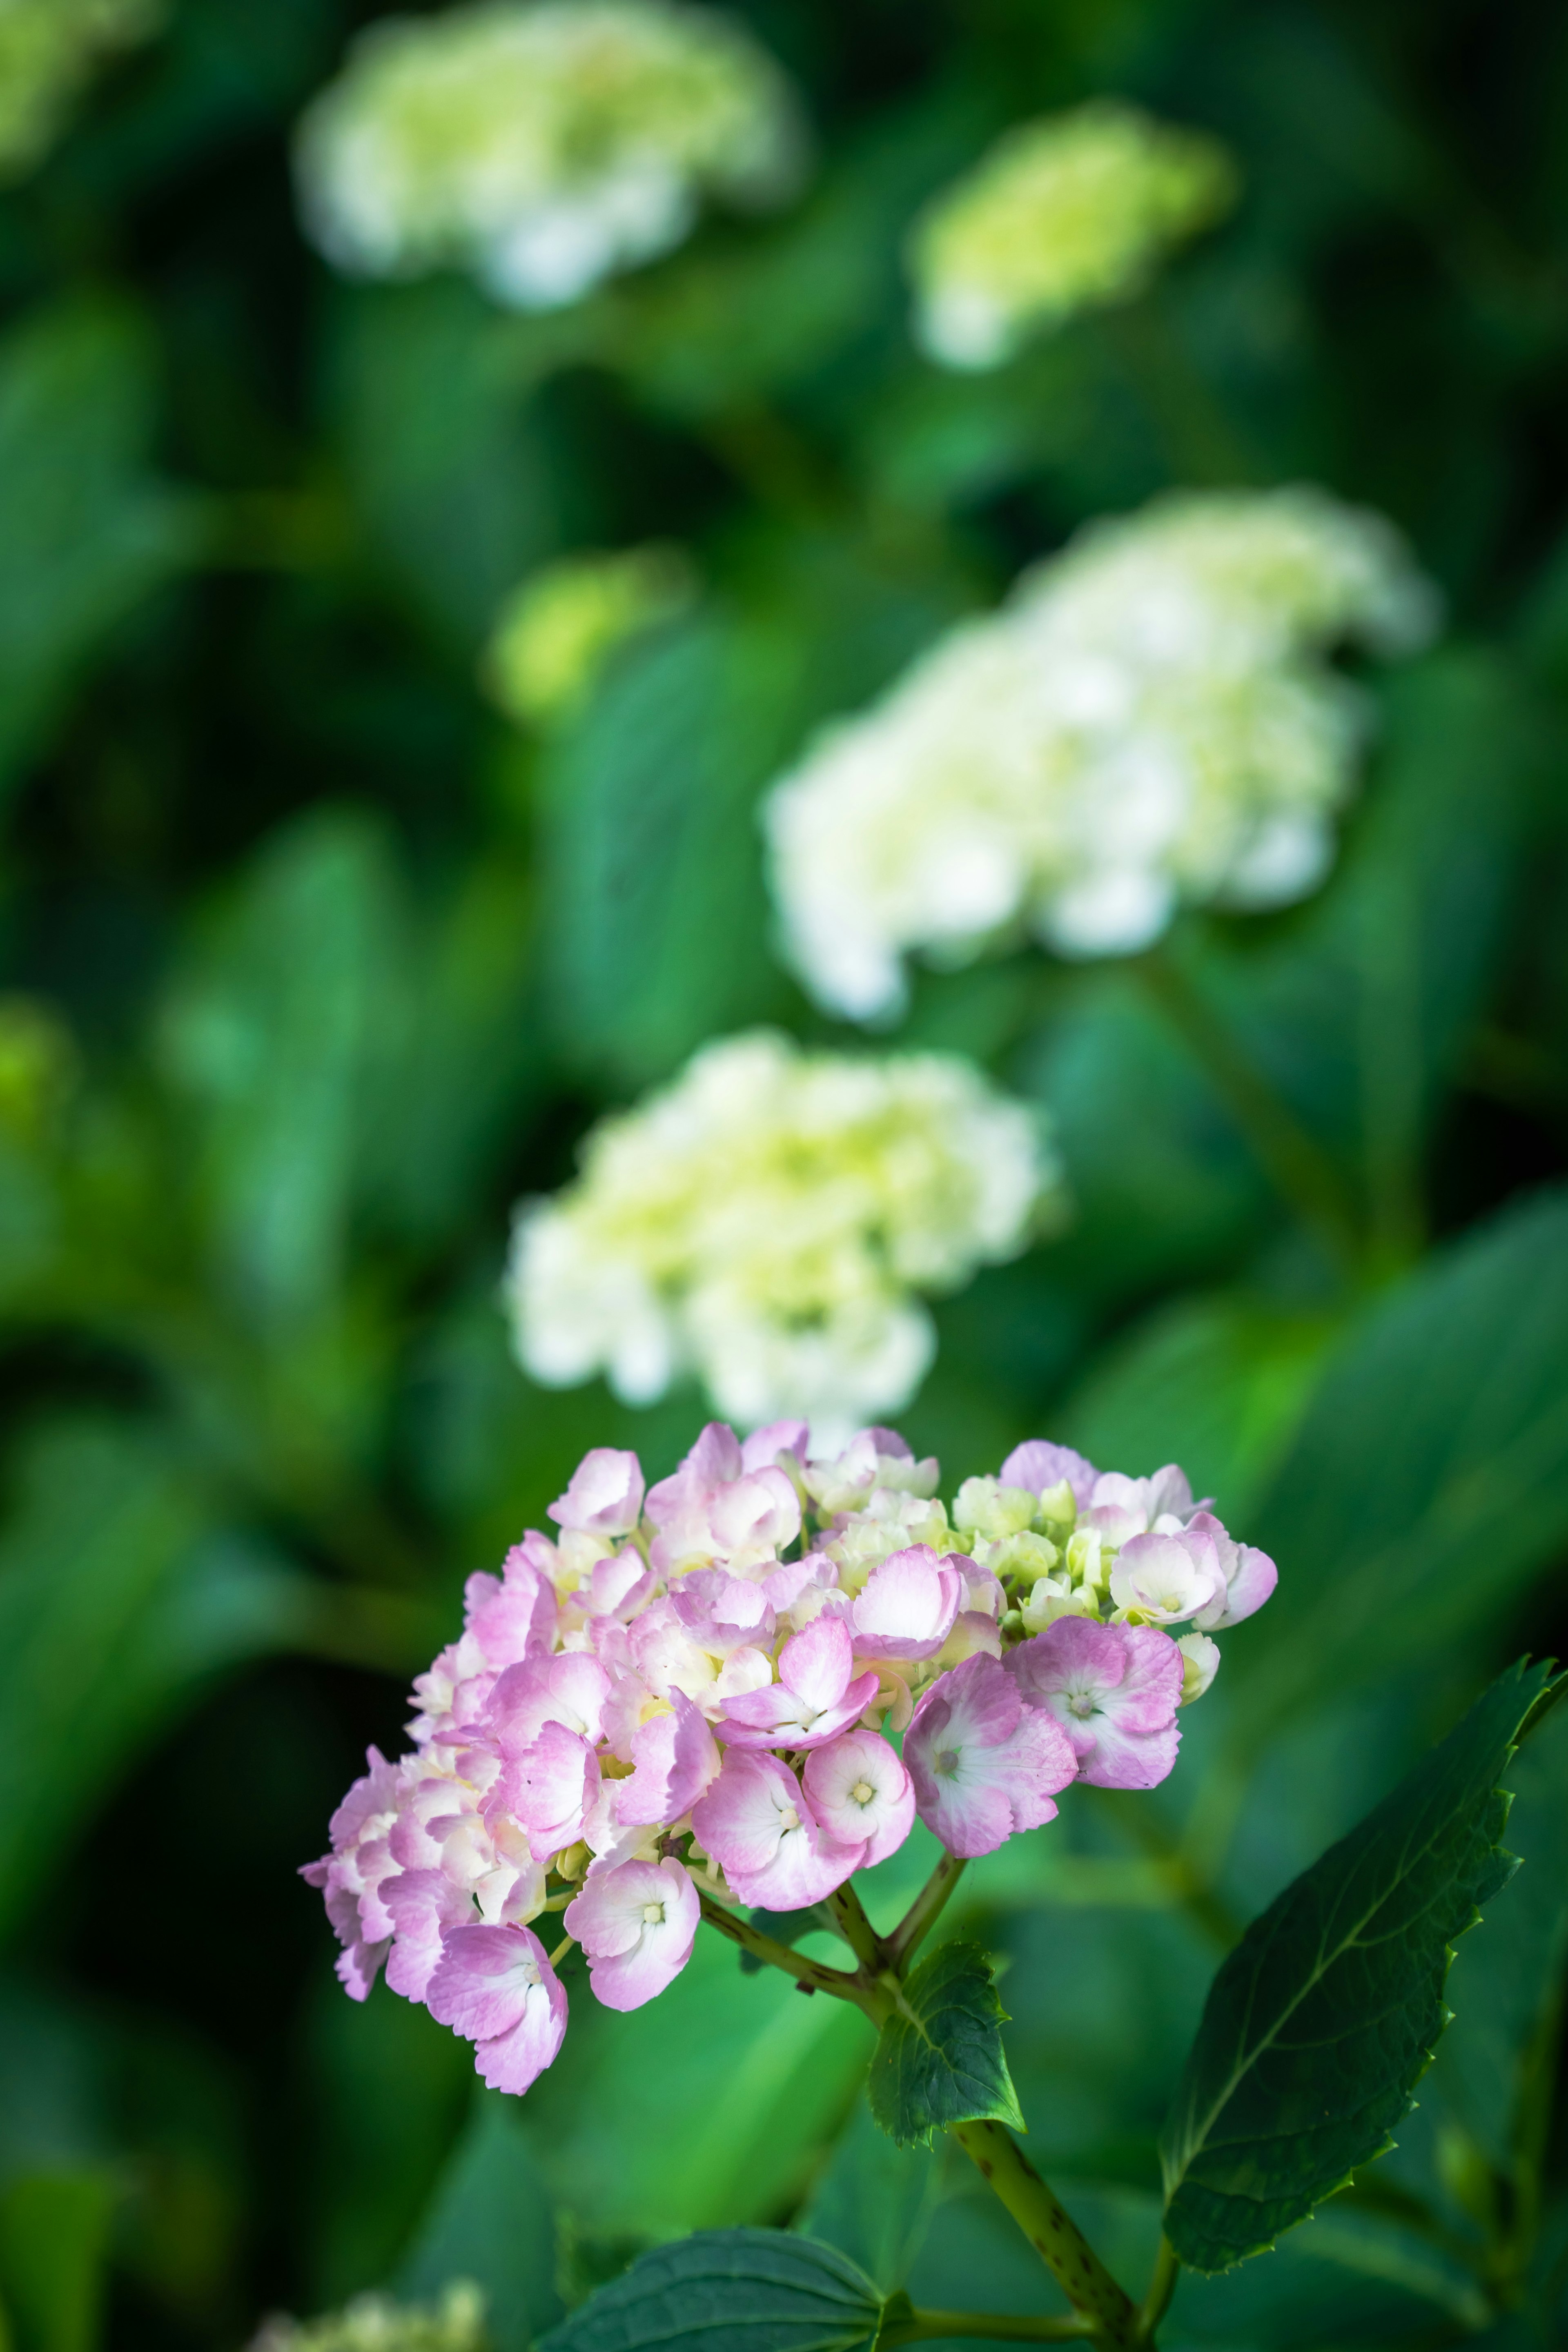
point(49, 49)
point(375, 2323)
point(1063, 214)
point(542, 146)
point(1150, 720)
point(768, 1221)
point(555, 633)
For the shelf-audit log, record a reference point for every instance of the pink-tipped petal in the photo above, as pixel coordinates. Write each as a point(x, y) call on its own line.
point(675, 1759)
point(1114, 1689)
point(983, 1764)
point(636, 1922)
point(819, 1665)
point(496, 1988)
point(604, 1498)
point(908, 1603)
point(1039, 1466)
point(758, 1823)
point(860, 1792)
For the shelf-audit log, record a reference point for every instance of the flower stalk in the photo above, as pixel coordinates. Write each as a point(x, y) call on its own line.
point(1103, 2314)
point(1112, 2319)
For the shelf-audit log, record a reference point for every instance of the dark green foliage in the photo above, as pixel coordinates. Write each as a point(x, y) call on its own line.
point(938, 2056)
point(491, 2220)
point(1412, 1467)
point(311, 965)
point(1324, 2019)
point(731, 2291)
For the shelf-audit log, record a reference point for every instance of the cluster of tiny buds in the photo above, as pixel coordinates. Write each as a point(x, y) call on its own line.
point(743, 1684)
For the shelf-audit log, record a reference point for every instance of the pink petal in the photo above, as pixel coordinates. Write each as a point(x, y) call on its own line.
point(550, 1788)
point(761, 1450)
point(758, 1824)
point(632, 1958)
point(1039, 1466)
point(713, 1460)
point(983, 1764)
point(817, 1664)
point(675, 1759)
point(496, 1988)
point(738, 1820)
point(861, 1759)
point(604, 1496)
point(909, 1604)
point(481, 1986)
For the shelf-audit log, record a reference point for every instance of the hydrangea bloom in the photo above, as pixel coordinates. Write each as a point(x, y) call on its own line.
point(695, 1692)
point(1149, 718)
point(49, 49)
point(542, 146)
point(375, 2323)
point(766, 1222)
point(557, 633)
point(1063, 214)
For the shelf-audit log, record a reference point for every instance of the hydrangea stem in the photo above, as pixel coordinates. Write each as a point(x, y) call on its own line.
point(925, 1910)
point(921, 2326)
point(857, 1930)
point(1295, 1162)
point(811, 1974)
point(1111, 2319)
point(1162, 2287)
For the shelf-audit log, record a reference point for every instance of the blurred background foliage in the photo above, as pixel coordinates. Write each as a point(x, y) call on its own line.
point(313, 962)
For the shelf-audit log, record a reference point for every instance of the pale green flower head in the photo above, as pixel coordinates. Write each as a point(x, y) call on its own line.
point(49, 51)
point(1152, 719)
point(773, 1222)
point(1063, 214)
point(542, 146)
point(557, 631)
point(375, 2323)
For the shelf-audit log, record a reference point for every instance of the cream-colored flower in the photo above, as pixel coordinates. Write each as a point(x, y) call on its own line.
point(1149, 718)
point(769, 1222)
point(49, 50)
point(542, 146)
point(1063, 214)
point(555, 633)
point(375, 2323)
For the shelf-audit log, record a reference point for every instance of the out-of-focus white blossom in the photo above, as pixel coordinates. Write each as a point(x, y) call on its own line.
point(768, 1221)
point(542, 146)
point(375, 2323)
point(49, 49)
point(1063, 214)
point(1149, 718)
point(556, 632)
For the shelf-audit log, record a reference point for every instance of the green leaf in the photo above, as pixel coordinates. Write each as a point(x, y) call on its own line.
point(657, 922)
point(1361, 1007)
point(450, 464)
point(1417, 1497)
point(875, 2201)
point(1217, 1384)
point(54, 2243)
point(276, 1032)
point(116, 1603)
point(710, 2106)
point(731, 2291)
point(1190, 1199)
point(657, 919)
point(1324, 2019)
point(939, 2057)
point(491, 2220)
point(89, 531)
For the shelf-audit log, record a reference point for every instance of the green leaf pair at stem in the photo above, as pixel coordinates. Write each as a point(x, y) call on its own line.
point(1316, 2031)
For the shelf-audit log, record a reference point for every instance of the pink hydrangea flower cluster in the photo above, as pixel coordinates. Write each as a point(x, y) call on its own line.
point(699, 1689)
